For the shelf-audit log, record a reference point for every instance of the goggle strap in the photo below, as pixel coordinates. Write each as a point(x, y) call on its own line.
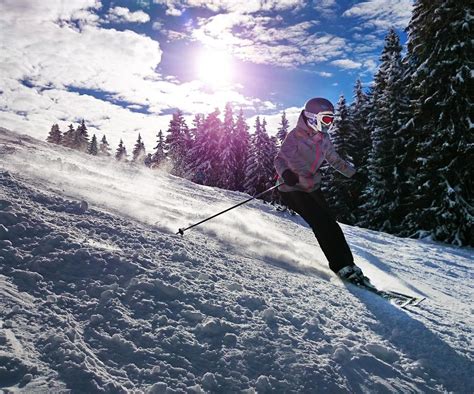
point(310, 115)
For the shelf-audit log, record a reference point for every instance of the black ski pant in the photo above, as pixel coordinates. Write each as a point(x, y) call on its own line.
point(314, 209)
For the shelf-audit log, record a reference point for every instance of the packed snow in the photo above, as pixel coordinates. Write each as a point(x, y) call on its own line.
point(99, 294)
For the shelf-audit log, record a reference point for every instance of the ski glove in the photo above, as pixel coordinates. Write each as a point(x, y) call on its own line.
point(290, 178)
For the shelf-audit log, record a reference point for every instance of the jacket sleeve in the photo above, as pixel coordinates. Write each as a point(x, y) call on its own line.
point(339, 164)
point(288, 158)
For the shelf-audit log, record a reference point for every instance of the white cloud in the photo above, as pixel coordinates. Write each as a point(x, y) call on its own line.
point(324, 74)
point(326, 8)
point(171, 35)
point(346, 64)
point(32, 111)
point(124, 15)
point(382, 14)
point(158, 25)
point(177, 7)
point(92, 58)
point(36, 11)
point(56, 57)
point(266, 40)
point(370, 65)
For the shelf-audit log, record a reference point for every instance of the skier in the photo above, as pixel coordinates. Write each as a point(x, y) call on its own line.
point(297, 164)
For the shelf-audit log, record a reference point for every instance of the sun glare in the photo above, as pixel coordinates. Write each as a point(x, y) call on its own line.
point(214, 68)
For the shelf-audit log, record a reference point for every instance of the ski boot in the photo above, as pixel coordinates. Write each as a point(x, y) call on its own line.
point(354, 275)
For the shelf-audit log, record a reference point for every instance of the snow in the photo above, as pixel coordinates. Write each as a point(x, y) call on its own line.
point(98, 293)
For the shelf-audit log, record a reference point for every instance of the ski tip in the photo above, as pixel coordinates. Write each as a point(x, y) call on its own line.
point(415, 301)
point(418, 301)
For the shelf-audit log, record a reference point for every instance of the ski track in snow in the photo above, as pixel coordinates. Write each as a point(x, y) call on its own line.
point(109, 299)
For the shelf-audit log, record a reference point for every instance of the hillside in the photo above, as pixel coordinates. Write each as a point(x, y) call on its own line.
point(98, 293)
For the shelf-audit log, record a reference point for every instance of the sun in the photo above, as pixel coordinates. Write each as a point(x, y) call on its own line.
point(215, 68)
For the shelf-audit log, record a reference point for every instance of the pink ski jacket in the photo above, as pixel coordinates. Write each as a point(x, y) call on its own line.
point(303, 151)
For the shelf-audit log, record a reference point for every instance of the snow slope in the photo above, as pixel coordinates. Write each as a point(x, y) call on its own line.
point(98, 294)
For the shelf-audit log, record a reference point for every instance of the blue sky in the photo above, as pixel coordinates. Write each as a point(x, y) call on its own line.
point(126, 65)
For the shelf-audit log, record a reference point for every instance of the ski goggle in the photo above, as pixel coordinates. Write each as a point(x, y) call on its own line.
point(327, 119)
point(324, 118)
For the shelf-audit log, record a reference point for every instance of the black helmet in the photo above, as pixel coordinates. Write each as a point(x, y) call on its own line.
point(319, 114)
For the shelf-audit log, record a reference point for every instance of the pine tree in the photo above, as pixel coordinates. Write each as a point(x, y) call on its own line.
point(81, 140)
point(93, 149)
point(121, 153)
point(69, 137)
point(440, 51)
point(227, 151)
point(340, 187)
point(195, 150)
point(241, 146)
point(177, 141)
point(382, 195)
point(283, 129)
point(139, 151)
point(259, 170)
point(360, 143)
point(275, 196)
point(205, 166)
point(198, 121)
point(54, 136)
point(104, 147)
point(270, 152)
point(159, 156)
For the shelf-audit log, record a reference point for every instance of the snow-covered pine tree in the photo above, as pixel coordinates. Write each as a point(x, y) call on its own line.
point(69, 137)
point(269, 154)
point(121, 152)
point(283, 129)
point(273, 151)
point(440, 49)
point(340, 187)
point(177, 141)
point(227, 151)
point(359, 140)
point(360, 143)
point(198, 121)
point(382, 195)
point(139, 151)
point(81, 140)
point(241, 146)
point(195, 150)
point(93, 148)
point(260, 169)
point(159, 156)
point(55, 135)
point(104, 147)
point(205, 166)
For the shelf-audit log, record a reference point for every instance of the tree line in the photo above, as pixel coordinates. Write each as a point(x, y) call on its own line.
point(411, 135)
point(212, 152)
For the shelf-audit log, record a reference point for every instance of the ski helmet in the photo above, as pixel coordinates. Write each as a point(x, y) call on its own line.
point(319, 114)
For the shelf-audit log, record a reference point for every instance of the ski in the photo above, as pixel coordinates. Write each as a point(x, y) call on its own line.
point(400, 299)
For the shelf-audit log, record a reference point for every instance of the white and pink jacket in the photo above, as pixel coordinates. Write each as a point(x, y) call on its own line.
point(303, 152)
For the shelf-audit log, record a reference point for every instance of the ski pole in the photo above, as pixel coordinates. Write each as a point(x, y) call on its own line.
point(182, 230)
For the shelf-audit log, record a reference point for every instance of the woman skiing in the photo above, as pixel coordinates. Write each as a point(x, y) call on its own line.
point(297, 164)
